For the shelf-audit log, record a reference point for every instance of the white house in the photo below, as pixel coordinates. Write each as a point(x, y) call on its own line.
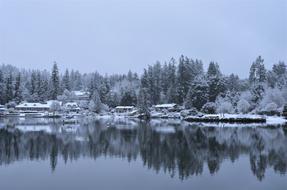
point(82, 95)
point(33, 107)
point(72, 107)
point(2, 109)
point(124, 109)
point(161, 107)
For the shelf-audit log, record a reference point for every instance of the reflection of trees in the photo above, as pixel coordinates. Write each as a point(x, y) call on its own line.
point(183, 152)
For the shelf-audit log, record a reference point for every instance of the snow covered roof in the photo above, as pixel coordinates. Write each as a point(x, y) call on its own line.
point(71, 104)
point(124, 107)
point(81, 93)
point(32, 105)
point(165, 105)
point(49, 102)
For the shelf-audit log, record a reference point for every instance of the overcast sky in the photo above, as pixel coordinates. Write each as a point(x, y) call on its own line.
point(113, 36)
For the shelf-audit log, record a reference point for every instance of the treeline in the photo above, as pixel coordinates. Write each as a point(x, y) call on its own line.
point(182, 81)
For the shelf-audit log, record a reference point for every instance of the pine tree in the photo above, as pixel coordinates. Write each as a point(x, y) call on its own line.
point(198, 94)
point(143, 103)
point(216, 82)
point(129, 98)
point(257, 72)
point(9, 88)
point(213, 70)
point(2, 89)
point(66, 81)
point(33, 83)
point(95, 104)
point(17, 90)
point(184, 78)
point(55, 83)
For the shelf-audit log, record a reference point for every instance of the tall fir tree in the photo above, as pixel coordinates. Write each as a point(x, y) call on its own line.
point(9, 88)
point(66, 81)
point(55, 82)
point(17, 90)
point(2, 88)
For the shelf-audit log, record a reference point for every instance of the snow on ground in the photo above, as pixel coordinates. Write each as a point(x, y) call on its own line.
point(275, 120)
point(270, 120)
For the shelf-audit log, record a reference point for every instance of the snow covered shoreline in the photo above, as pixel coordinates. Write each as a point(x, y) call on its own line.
point(226, 119)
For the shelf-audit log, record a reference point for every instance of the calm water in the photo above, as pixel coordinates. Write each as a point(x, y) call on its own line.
point(127, 154)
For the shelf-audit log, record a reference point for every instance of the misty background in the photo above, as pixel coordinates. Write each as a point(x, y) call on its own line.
point(113, 36)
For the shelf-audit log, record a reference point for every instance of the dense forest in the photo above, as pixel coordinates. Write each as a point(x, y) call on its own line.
point(183, 81)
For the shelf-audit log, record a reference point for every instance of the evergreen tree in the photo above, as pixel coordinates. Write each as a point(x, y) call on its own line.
point(33, 83)
point(2, 88)
point(143, 103)
point(129, 98)
point(257, 72)
point(183, 78)
point(66, 81)
point(95, 104)
point(198, 94)
point(213, 70)
point(55, 83)
point(9, 88)
point(17, 90)
point(216, 82)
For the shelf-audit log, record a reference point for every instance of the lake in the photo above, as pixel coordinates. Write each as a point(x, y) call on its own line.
point(130, 154)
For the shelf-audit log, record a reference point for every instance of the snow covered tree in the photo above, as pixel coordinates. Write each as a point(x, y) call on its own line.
point(257, 93)
point(128, 98)
point(143, 103)
point(17, 89)
point(198, 94)
point(183, 78)
point(113, 99)
point(224, 106)
point(271, 107)
point(209, 108)
point(104, 89)
point(55, 106)
point(257, 72)
point(95, 104)
point(272, 96)
point(67, 96)
point(66, 81)
point(55, 82)
point(216, 82)
point(213, 70)
point(243, 106)
point(2, 89)
point(9, 88)
point(33, 83)
point(279, 74)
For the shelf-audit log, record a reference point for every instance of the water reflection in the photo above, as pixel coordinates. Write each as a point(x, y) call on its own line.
point(174, 147)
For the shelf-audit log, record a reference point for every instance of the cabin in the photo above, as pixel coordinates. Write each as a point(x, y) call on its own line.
point(82, 95)
point(72, 107)
point(166, 107)
point(124, 109)
point(39, 107)
point(2, 109)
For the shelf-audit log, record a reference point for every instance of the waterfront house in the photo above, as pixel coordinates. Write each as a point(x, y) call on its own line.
point(166, 107)
point(2, 109)
point(124, 109)
point(37, 107)
point(82, 95)
point(72, 107)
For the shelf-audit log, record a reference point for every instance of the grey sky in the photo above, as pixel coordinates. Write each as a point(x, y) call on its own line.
point(113, 36)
